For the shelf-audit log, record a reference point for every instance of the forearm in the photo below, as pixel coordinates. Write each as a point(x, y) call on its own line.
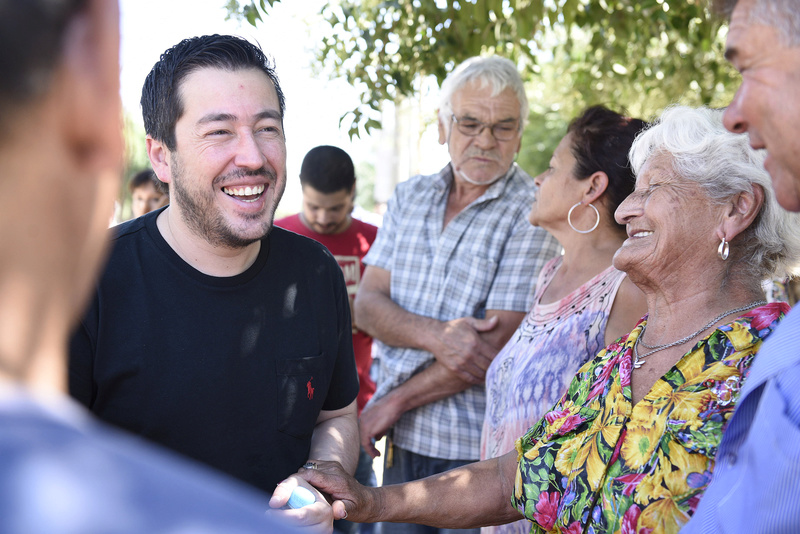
point(382, 318)
point(335, 437)
point(475, 495)
point(465, 345)
point(432, 384)
point(437, 382)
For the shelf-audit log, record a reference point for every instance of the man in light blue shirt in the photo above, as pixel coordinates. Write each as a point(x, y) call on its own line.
point(449, 278)
point(756, 484)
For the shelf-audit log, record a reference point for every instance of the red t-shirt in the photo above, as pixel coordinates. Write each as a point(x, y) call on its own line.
point(348, 247)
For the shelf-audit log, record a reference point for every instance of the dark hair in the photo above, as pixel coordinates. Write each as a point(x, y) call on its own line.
point(145, 177)
point(31, 38)
point(161, 103)
point(328, 169)
point(601, 140)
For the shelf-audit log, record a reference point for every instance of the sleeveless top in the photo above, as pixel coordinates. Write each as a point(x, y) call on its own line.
point(534, 369)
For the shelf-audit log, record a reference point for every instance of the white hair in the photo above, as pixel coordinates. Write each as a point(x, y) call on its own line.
point(496, 71)
point(783, 15)
point(723, 164)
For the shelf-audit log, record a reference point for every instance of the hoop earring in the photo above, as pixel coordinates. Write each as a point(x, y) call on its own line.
point(590, 230)
point(723, 250)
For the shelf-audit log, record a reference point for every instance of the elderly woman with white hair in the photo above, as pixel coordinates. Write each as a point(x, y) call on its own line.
point(631, 444)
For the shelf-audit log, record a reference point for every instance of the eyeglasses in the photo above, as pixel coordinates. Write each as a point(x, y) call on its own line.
point(502, 131)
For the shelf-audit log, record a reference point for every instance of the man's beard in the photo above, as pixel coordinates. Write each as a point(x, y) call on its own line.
point(204, 218)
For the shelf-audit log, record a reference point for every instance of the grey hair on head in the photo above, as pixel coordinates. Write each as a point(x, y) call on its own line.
point(499, 72)
point(783, 15)
point(723, 164)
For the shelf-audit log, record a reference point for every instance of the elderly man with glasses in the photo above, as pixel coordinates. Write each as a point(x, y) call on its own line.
point(449, 279)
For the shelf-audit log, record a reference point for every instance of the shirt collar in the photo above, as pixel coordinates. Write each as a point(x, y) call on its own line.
point(445, 178)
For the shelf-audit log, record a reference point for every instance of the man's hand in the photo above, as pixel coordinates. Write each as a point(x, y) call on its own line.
point(376, 418)
point(462, 350)
point(315, 518)
point(466, 345)
point(351, 500)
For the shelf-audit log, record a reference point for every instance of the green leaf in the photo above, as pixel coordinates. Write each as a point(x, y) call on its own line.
point(630, 53)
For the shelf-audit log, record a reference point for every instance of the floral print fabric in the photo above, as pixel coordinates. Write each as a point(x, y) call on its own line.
point(533, 370)
point(597, 464)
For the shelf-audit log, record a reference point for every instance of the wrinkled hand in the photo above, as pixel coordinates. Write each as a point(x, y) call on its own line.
point(376, 418)
point(462, 350)
point(350, 499)
point(315, 518)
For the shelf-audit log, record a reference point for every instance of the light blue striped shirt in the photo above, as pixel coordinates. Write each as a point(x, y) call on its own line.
point(487, 258)
point(756, 481)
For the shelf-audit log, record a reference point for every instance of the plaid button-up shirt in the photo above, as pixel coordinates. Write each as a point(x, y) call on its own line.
point(487, 258)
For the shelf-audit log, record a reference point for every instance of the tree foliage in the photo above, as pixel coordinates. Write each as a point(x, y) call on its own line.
point(639, 55)
point(249, 10)
point(654, 46)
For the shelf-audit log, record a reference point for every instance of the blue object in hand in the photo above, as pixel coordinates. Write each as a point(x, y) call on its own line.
point(300, 497)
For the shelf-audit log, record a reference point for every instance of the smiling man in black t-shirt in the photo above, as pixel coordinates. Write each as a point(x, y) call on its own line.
point(211, 332)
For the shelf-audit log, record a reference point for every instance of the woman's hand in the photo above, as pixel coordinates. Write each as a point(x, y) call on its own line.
point(350, 500)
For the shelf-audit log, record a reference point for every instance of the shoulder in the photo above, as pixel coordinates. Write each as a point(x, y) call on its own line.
point(288, 242)
point(629, 296)
point(361, 227)
point(513, 197)
point(133, 233)
point(290, 223)
point(297, 252)
point(418, 184)
point(131, 242)
point(520, 181)
point(520, 176)
point(131, 227)
point(549, 268)
point(417, 193)
point(629, 306)
point(779, 352)
point(764, 319)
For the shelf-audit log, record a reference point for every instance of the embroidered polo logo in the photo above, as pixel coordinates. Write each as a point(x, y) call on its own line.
point(310, 388)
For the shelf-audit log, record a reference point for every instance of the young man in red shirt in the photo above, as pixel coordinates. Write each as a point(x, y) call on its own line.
point(328, 180)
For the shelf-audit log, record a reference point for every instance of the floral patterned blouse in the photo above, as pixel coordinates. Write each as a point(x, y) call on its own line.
point(533, 370)
point(596, 464)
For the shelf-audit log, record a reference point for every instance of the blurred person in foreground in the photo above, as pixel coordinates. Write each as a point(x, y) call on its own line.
point(148, 193)
point(582, 302)
point(756, 486)
point(631, 446)
point(62, 472)
point(450, 276)
point(328, 181)
point(242, 354)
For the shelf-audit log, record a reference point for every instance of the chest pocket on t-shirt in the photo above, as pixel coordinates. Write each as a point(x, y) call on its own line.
point(302, 388)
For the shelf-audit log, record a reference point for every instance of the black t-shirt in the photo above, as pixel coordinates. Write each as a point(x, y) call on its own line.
point(231, 371)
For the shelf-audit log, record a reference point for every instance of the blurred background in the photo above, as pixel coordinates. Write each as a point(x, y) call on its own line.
point(364, 75)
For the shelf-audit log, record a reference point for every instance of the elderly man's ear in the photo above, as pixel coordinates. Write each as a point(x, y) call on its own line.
point(442, 128)
point(86, 87)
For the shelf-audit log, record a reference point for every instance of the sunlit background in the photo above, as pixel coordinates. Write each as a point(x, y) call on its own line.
point(314, 102)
